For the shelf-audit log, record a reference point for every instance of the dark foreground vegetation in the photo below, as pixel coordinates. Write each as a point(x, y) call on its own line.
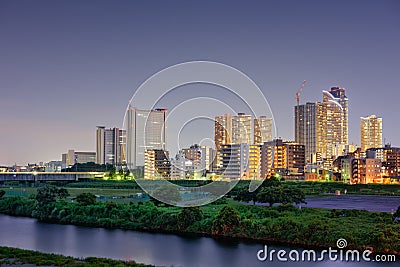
point(18, 257)
point(226, 218)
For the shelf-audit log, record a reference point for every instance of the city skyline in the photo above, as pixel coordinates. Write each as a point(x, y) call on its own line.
point(68, 76)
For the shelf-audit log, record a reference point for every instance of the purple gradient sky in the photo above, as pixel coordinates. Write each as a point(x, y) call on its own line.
point(67, 66)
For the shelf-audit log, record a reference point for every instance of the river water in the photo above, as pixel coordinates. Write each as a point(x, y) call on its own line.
point(150, 248)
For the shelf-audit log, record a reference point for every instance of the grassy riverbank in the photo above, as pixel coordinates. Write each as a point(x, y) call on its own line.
point(16, 257)
point(288, 225)
point(126, 188)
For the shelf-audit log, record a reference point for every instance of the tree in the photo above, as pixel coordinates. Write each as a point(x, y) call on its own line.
point(281, 194)
point(241, 193)
point(46, 197)
point(270, 195)
point(121, 173)
point(50, 193)
point(112, 172)
point(272, 181)
point(86, 167)
point(293, 195)
point(62, 193)
point(2, 193)
point(246, 196)
point(86, 199)
point(226, 220)
point(188, 216)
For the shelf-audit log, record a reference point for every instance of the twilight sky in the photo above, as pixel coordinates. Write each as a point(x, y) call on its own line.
point(68, 66)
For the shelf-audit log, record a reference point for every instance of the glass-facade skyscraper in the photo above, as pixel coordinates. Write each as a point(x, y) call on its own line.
point(110, 146)
point(145, 129)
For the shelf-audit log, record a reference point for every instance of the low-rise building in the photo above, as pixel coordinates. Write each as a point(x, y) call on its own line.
point(72, 157)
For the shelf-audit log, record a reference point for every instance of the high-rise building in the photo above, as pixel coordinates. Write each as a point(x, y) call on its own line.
point(100, 144)
point(222, 130)
point(370, 132)
point(322, 127)
point(235, 161)
point(235, 134)
point(230, 129)
point(254, 162)
point(262, 130)
point(145, 130)
point(339, 95)
point(156, 164)
point(110, 146)
point(237, 129)
point(306, 128)
point(241, 129)
point(333, 127)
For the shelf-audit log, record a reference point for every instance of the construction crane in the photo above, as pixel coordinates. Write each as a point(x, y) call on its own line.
point(299, 92)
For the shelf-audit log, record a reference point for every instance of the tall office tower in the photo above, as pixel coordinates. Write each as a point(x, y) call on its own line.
point(339, 95)
point(241, 129)
point(370, 132)
point(100, 144)
point(262, 130)
point(110, 146)
point(222, 130)
point(306, 122)
point(145, 129)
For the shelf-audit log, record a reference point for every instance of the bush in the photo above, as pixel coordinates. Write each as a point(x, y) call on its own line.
point(226, 220)
point(286, 207)
point(188, 216)
point(86, 199)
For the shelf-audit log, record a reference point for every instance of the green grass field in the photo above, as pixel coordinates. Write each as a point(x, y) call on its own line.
point(108, 192)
